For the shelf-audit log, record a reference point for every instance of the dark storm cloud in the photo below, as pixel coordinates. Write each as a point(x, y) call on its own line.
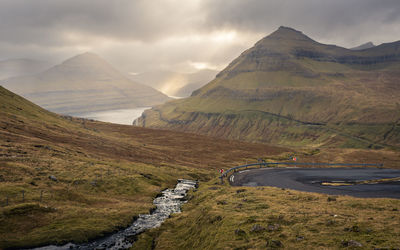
point(144, 34)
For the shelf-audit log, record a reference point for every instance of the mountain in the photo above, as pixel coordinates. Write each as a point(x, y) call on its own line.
point(292, 90)
point(367, 45)
point(21, 67)
point(84, 83)
point(174, 83)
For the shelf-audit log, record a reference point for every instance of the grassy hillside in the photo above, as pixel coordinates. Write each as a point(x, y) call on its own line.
point(68, 179)
point(225, 217)
point(292, 90)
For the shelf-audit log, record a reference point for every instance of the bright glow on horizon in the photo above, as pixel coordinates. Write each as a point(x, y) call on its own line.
point(223, 36)
point(203, 65)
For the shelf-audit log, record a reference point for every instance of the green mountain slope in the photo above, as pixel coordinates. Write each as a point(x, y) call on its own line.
point(290, 89)
point(84, 83)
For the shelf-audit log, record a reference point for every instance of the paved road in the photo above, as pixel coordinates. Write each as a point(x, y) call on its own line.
point(309, 180)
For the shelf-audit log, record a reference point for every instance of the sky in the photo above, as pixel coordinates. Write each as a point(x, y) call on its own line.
point(182, 35)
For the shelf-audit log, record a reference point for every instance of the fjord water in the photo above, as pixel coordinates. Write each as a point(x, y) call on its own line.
point(169, 202)
point(118, 116)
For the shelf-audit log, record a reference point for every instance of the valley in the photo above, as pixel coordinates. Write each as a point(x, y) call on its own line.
point(58, 170)
point(68, 168)
point(207, 124)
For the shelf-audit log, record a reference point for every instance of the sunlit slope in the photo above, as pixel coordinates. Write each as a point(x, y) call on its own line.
point(84, 83)
point(293, 90)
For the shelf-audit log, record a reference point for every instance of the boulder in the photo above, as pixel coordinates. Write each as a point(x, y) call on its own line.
point(257, 228)
point(53, 178)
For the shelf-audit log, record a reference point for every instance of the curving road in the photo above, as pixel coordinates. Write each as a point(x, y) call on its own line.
point(310, 179)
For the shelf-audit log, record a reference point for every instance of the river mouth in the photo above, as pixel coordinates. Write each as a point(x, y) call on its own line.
point(357, 182)
point(169, 202)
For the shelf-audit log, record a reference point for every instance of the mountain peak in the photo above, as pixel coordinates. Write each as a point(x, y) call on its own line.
point(87, 56)
point(364, 46)
point(285, 34)
point(87, 60)
point(288, 33)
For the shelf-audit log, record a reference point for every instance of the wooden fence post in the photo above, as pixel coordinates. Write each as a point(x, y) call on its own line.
point(23, 195)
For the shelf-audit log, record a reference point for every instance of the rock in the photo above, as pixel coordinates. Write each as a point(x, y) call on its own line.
point(240, 232)
point(331, 199)
point(351, 243)
point(53, 178)
point(257, 228)
point(214, 219)
point(221, 202)
point(330, 223)
point(274, 244)
point(273, 227)
point(355, 229)
point(299, 238)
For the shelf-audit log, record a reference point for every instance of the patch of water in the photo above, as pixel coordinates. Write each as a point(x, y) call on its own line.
point(169, 202)
point(118, 116)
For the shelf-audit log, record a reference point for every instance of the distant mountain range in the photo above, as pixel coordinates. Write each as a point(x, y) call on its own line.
point(292, 90)
point(21, 67)
point(84, 83)
point(174, 83)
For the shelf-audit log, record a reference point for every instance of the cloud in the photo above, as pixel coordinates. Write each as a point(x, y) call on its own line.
point(354, 20)
point(143, 35)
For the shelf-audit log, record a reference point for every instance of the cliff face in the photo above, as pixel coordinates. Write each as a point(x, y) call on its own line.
point(291, 89)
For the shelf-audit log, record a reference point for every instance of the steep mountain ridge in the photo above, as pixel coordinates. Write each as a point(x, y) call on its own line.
point(84, 83)
point(293, 90)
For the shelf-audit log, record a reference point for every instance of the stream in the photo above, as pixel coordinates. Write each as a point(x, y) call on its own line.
point(168, 202)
